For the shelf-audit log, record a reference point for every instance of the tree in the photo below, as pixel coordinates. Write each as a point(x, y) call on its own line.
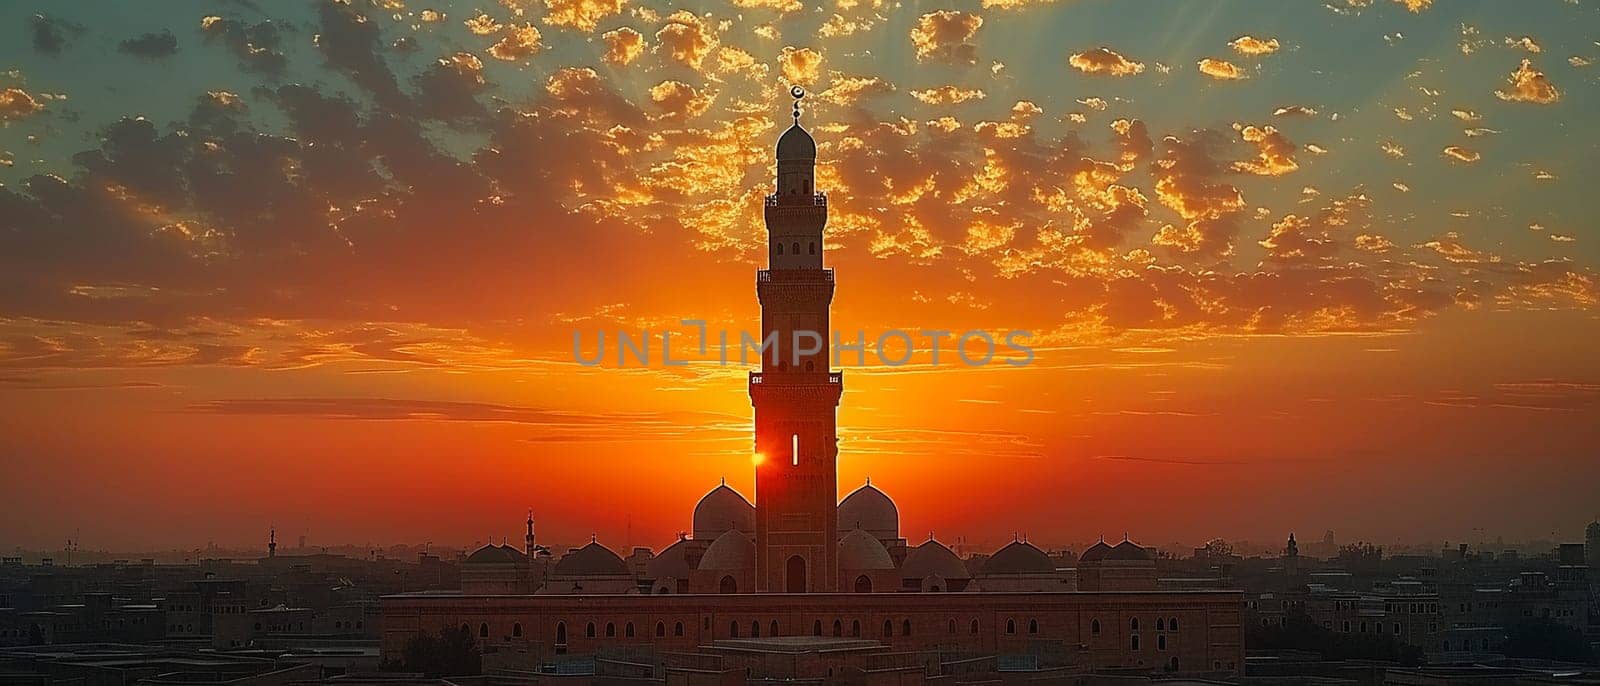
point(451, 652)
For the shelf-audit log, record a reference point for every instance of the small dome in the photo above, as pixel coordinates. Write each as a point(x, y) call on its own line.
point(591, 560)
point(721, 510)
point(933, 559)
point(732, 550)
point(868, 509)
point(1129, 551)
point(858, 550)
point(796, 144)
point(1019, 558)
point(672, 563)
point(1095, 553)
point(494, 553)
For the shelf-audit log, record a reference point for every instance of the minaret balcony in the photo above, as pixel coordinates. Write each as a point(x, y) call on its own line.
point(792, 275)
point(797, 200)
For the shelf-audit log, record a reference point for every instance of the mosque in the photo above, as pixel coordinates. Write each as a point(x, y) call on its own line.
point(801, 565)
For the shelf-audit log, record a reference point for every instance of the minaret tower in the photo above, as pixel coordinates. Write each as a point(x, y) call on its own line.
point(272, 542)
point(796, 396)
point(527, 539)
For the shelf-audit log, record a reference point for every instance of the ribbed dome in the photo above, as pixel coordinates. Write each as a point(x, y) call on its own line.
point(870, 510)
point(858, 550)
point(933, 559)
point(1019, 558)
point(732, 550)
point(495, 553)
point(1095, 553)
point(721, 510)
point(591, 560)
point(1129, 551)
point(796, 144)
point(670, 564)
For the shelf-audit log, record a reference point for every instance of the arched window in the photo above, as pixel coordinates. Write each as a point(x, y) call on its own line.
point(795, 570)
point(816, 628)
point(863, 583)
point(855, 628)
point(1172, 664)
point(780, 248)
point(1011, 626)
point(677, 629)
point(974, 626)
point(483, 630)
point(628, 630)
point(1133, 624)
point(905, 627)
point(516, 629)
point(1094, 627)
point(611, 630)
point(589, 630)
point(773, 629)
point(1161, 642)
point(796, 247)
point(837, 630)
point(1161, 624)
point(561, 633)
point(733, 629)
point(755, 628)
point(1033, 626)
point(888, 628)
point(729, 585)
point(813, 247)
point(1135, 641)
point(952, 626)
point(661, 629)
point(466, 629)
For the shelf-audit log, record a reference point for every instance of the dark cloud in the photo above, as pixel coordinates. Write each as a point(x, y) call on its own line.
point(257, 46)
point(52, 34)
point(151, 45)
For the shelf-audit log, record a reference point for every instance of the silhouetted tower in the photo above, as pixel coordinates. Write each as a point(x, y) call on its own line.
point(1291, 556)
point(796, 396)
point(527, 539)
point(272, 542)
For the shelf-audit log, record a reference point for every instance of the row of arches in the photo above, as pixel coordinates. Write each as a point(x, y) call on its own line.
point(794, 247)
point(592, 630)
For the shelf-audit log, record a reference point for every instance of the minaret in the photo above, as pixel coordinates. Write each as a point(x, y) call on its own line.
point(272, 542)
point(796, 396)
point(527, 539)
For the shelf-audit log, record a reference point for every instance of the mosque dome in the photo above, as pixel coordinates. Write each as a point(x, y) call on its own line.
point(1129, 551)
point(722, 510)
point(732, 550)
point(858, 550)
point(672, 563)
point(796, 144)
point(933, 559)
point(591, 560)
point(1019, 558)
point(868, 509)
point(1095, 553)
point(494, 553)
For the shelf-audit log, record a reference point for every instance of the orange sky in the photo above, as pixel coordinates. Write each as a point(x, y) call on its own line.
point(1335, 276)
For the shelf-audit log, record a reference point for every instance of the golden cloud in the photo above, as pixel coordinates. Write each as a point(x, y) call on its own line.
point(1104, 60)
point(685, 38)
point(1274, 152)
point(946, 35)
point(16, 103)
point(1462, 154)
point(583, 15)
point(518, 42)
point(623, 46)
point(845, 90)
point(947, 95)
point(1527, 84)
point(1416, 6)
point(1220, 69)
point(800, 65)
point(680, 100)
point(1250, 45)
point(782, 6)
point(482, 25)
point(1294, 111)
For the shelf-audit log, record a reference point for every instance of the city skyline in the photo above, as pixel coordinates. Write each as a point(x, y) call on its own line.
point(329, 279)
